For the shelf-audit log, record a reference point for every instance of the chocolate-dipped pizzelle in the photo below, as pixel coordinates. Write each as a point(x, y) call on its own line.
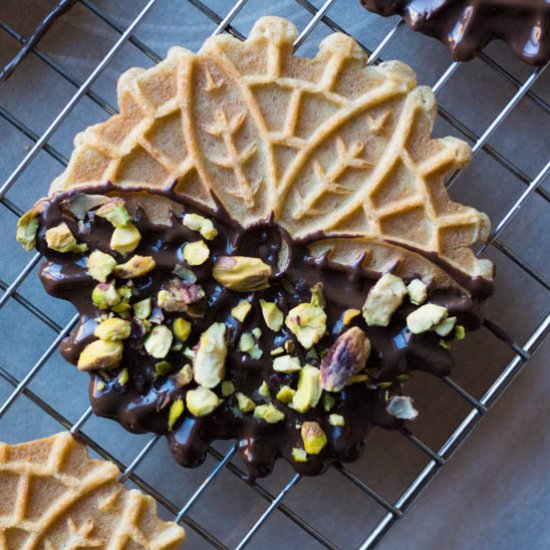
point(274, 253)
point(467, 26)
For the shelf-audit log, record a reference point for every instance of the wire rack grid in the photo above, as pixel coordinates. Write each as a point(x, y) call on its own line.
point(273, 497)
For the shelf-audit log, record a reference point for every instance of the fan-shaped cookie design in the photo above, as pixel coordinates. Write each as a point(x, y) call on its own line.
point(325, 144)
point(54, 496)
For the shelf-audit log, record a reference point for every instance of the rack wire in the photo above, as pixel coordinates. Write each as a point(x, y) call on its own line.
point(393, 508)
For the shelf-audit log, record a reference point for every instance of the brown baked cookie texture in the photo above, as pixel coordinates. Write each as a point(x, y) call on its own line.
point(54, 496)
point(261, 247)
point(467, 26)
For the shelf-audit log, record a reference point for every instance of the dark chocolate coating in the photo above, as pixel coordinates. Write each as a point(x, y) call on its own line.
point(142, 404)
point(466, 26)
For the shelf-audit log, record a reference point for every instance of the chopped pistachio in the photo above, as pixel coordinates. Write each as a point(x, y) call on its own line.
point(299, 455)
point(178, 346)
point(123, 377)
point(209, 360)
point(101, 354)
point(268, 413)
point(142, 309)
point(105, 295)
point(201, 401)
point(349, 315)
point(177, 295)
point(201, 224)
point(314, 437)
point(158, 342)
point(309, 389)
point(27, 228)
point(425, 318)
point(228, 388)
point(122, 309)
point(114, 212)
point(277, 351)
point(444, 344)
point(445, 327)
point(184, 376)
point(241, 310)
point(384, 385)
point(241, 273)
point(125, 239)
point(263, 390)
point(176, 410)
point(244, 402)
point(317, 296)
point(289, 346)
point(357, 379)
point(401, 406)
point(189, 353)
point(247, 344)
point(383, 299)
point(162, 368)
point(285, 394)
point(286, 363)
point(308, 323)
point(113, 329)
point(125, 293)
point(60, 239)
point(273, 316)
point(460, 332)
point(184, 274)
point(256, 332)
point(99, 385)
point(417, 291)
point(181, 328)
point(136, 266)
point(336, 420)
point(328, 402)
point(196, 253)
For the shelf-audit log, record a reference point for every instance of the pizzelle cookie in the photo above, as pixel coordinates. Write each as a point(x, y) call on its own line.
point(55, 496)
point(261, 247)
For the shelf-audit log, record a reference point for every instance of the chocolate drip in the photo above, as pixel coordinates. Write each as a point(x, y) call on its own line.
point(466, 26)
point(142, 404)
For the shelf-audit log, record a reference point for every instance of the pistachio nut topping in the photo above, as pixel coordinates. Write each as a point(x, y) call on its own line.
point(136, 266)
point(184, 274)
point(349, 315)
point(425, 318)
point(209, 360)
point(101, 354)
point(114, 212)
point(143, 308)
point(268, 413)
point(181, 328)
point(383, 299)
point(196, 253)
point(241, 273)
point(113, 329)
point(273, 316)
point(286, 363)
point(61, 239)
point(264, 391)
point(228, 388)
point(314, 438)
point(460, 332)
point(336, 420)
point(201, 401)
point(184, 376)
point(328, 402)
point(177, 295)
point(445, 327)
point(417, 291)
point(105, 295)
point(27, 228)
point(285, 394)
point(176, 410)
point(309, 389)
point(125, 239)
point(123, 377)
point(241, 310)
point(162, 368)
point(347, 356)
point(248, 344)
point(299, 455)
point(308, 322)
point(158, 342)
point(244, 403)
point(203, 225)
point(100, 265)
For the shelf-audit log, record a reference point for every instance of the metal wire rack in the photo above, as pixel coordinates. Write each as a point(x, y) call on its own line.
point(43, 142)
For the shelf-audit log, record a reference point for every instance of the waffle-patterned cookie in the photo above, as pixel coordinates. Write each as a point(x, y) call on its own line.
point(54, 496)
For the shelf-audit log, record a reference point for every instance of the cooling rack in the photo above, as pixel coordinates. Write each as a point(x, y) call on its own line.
point(496, 104)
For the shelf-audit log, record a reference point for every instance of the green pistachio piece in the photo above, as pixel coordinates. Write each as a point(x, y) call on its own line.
point(125, 239)
point(336, 420)
point(136, 266)
point(123, 377)
point(209, 359)
point(114, 212)
point(308, 323)
point(460, 332)
point(248, 344)
point(201, 401)
point(184, 376)
point(125, 293)
point(309, 389)
point(101, 354)
point(277, 351)
point(142, 309)
point(184, 274)
point(196, 253)
point(228, 388)
point(445, 327)
point(425, 318)
point(268, 413)
point(27, 228)
point(241, 310)
point(286, 363)
point(176, 410)
point(299, 455)
point(158, 342)
point(314, 437)
point(162, 368)
point(317, 296)
point(244, 402)
point(383, 299)
point(273, 316)
point(256, 332)
point(60, 239)
point(113, 329)
point(105, 295)
point(181, 328)
point(328, 402)
point(285, 394)
point(417, 291)
point(263, 390)
point(241, 273)
point(289, 346)
point(201, 224)
point(444, 344)
point(349, 315)
point(122, 309)
point(178, 295)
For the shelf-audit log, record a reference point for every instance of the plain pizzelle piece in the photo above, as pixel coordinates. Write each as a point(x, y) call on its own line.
point(54, 496)
point(261, 247)
point(467, 26)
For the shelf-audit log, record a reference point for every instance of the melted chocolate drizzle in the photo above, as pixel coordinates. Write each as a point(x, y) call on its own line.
point(466, 26)
point(142, 404)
